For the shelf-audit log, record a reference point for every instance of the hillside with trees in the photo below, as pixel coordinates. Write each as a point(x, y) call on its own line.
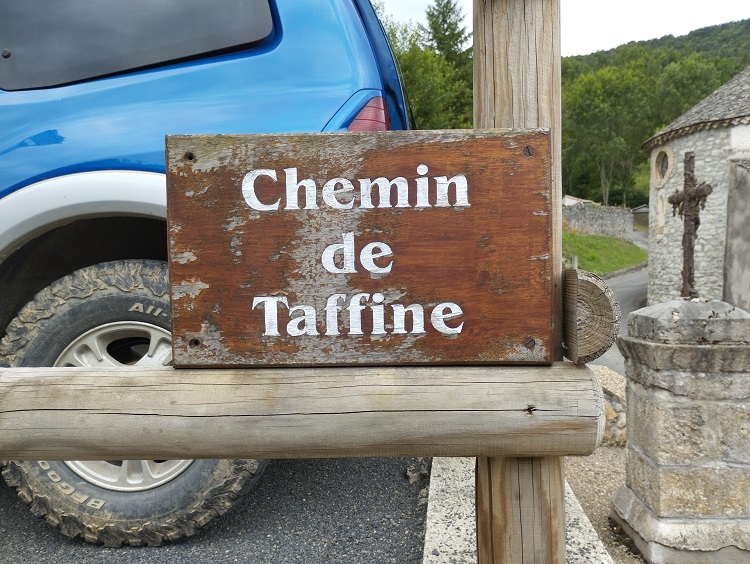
point(612, 100)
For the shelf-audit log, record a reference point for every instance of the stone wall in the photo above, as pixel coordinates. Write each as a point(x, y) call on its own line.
point(713, 149)
point(599, 220)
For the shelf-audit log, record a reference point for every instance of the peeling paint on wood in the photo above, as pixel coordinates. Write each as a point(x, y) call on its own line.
point(284, 253)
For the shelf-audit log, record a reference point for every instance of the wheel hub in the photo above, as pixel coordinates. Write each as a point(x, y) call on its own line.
point(126, 343)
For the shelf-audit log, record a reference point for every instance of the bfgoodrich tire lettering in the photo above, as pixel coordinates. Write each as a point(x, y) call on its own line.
point(114, 314)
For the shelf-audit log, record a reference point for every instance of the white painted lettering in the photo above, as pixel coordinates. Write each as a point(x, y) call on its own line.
point(378, 314)
point(303, 324)
point(338, 193)
point(443, 312)
point(332, 313)
point(374, 251)
point(423, 186)
point(462, 191)
point(362, 306)
point(347, 249)
point(384, 192)
point(355, 313)
point(248, 190)
point(292, 191)
point(399, 319)
point(331, 196)
point(271, 310)
point(339, 258)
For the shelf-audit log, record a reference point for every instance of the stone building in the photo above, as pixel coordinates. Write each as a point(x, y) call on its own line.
point(717, 130)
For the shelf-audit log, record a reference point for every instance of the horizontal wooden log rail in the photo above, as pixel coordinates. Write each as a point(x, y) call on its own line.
point(165, 413)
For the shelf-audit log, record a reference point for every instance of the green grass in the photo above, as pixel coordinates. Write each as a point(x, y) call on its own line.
point(599, 254)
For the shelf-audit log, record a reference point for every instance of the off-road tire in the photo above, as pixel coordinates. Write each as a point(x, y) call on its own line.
point(131, 292)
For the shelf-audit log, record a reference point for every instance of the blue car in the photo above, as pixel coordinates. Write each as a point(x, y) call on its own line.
point(88, 90)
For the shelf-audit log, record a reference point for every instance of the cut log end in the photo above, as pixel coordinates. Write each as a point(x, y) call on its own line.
point(591, 316)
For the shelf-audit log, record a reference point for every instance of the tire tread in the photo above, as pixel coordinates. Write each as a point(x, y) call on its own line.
point(213, 501)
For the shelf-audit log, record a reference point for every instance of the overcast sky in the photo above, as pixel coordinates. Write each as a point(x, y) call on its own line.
point(595, 25)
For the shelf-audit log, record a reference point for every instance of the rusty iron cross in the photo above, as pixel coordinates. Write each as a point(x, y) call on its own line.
point(688, 204)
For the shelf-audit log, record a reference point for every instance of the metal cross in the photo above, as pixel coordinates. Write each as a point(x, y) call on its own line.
point(688, 204)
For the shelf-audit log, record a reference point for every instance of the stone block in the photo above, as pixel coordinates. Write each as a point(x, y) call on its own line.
point(694, 322)
point(687, 497)
point(680, 541)
point(691, 358)
point(667, 430)
point(688, 491)
point(734, 422)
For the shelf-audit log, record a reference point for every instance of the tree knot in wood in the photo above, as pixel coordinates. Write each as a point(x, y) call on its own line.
point(530, 410)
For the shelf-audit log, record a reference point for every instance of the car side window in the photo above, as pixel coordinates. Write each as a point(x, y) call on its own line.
point(45, 43)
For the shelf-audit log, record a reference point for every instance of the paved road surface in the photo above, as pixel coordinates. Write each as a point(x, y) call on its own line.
point(630, 291)
point(303, 511)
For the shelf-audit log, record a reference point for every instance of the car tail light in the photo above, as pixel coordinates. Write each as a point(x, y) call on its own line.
point(373, 117)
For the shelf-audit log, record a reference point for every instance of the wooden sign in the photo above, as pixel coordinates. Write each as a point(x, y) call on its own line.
point(378, 248)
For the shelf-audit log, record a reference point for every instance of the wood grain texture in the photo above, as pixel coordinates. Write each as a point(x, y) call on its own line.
point(89, 414)
point(520, 510)
point(491, 259)
point(592, 316)
point(517, 84)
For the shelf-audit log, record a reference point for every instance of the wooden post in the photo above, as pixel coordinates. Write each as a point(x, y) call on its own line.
point(520, 508)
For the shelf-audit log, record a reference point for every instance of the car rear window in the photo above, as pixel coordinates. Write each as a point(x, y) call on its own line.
point(47, 43)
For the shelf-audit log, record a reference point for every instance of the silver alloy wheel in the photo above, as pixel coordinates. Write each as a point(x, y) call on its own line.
point(124, 343)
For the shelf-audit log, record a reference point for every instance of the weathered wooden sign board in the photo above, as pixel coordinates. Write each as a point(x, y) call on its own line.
point(377, 248)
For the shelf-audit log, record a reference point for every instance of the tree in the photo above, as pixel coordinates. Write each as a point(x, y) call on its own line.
point(605, 120)
point(440, 97)
point(446, 34)
point(436, 92)
point(684, 82)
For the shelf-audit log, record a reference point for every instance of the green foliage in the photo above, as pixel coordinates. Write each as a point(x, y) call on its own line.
point(435, 65)
point(446, 34)
point(728, 42)
point(613, 101)
point(599, 254)
point(436, 92)
point(603, 127)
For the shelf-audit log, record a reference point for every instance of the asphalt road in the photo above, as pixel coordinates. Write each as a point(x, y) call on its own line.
point(630, 291)
point(302, 511)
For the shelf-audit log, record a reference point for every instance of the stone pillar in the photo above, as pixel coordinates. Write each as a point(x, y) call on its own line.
point(687, 493)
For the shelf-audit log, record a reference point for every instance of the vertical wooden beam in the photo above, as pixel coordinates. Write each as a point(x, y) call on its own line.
point(520, 501)
point(517, 85)
point(520, 510)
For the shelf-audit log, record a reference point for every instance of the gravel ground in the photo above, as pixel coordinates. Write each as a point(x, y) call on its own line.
point(594, 479)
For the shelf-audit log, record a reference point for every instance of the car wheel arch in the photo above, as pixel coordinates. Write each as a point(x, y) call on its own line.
point(107, 215)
